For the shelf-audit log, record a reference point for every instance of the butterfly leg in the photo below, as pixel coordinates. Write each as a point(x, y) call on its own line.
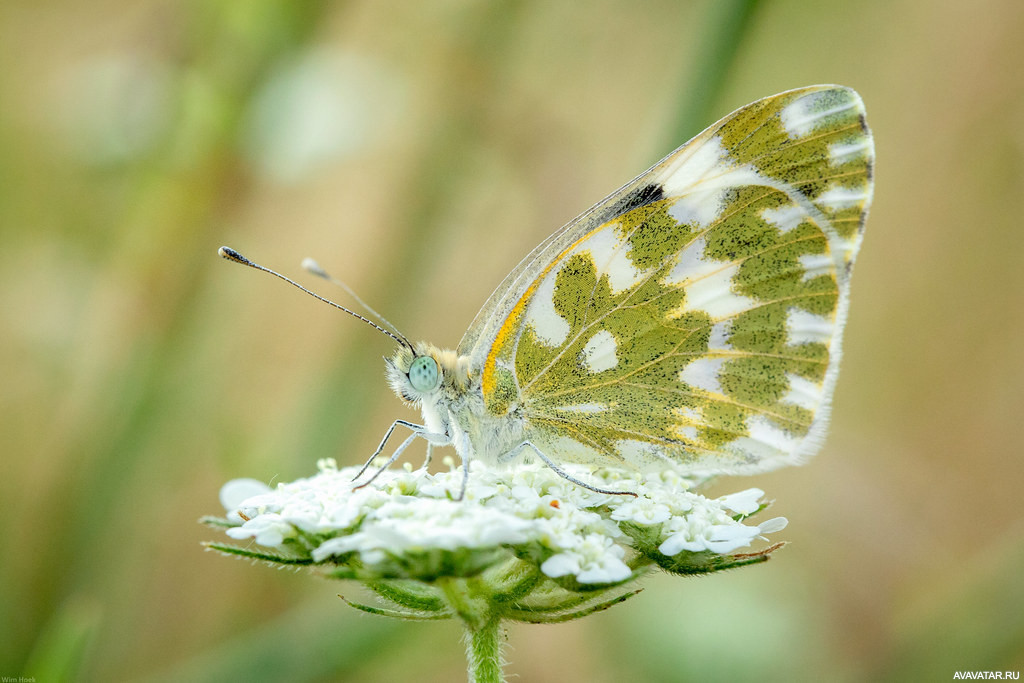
point(426, 461)
point(465, 478)
point(562, 473)
point(417, 430)
point(394, 457)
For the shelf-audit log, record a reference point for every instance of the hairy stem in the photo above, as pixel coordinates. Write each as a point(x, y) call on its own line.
point(483, 652)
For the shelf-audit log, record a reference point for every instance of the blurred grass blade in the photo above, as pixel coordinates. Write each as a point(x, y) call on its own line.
point(725, 30)
point(60, 649)
point(312, 642)
point(489, 32)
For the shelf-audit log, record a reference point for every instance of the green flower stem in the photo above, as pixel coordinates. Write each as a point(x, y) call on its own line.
point(483, 644)
point(484, 652)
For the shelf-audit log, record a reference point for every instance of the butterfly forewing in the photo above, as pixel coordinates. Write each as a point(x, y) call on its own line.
point(693, 319)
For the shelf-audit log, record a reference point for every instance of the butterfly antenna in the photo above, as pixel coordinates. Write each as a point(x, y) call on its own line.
point(314, 268)
point(232, 255)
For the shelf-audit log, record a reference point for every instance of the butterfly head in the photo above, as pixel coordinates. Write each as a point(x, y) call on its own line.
point(424, 373)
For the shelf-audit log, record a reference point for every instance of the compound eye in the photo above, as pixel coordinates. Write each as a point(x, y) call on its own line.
point(423, 374)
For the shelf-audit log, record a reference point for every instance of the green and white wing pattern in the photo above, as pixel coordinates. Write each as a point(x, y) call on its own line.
point(693, 318)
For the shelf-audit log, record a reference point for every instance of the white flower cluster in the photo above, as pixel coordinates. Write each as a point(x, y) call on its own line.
point(407, 512)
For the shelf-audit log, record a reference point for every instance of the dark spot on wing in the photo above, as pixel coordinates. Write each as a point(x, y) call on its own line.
point(641, 196)
point(808, 190)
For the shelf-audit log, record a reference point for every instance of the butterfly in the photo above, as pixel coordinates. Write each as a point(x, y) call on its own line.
point(691, 320)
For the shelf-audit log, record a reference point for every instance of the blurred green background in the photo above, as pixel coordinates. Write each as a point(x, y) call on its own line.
point(419, 150)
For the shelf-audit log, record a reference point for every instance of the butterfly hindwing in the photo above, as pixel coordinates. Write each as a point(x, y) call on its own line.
point(693, 318)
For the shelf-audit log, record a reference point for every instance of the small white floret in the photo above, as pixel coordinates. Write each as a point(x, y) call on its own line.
point(772, 525)
point(642, 511)
point(236, 491)
point(744, 502)
point(595, 559)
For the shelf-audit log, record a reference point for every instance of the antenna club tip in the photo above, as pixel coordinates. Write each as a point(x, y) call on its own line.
point(232, 255)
